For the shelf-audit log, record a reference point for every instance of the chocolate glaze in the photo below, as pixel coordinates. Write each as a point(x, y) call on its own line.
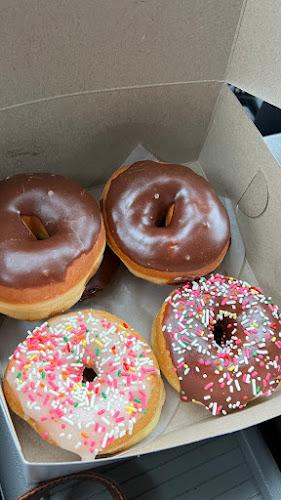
point(104, 274)
point(139, 198)
point(223, 356)
point(70, 215)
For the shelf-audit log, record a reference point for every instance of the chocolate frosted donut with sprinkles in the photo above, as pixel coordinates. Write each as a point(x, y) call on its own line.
point(217, 341)
point(87, 382)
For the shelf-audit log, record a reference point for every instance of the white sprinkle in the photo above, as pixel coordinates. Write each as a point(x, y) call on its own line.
point(104, 440)
point(237, 385)
point(67, 420)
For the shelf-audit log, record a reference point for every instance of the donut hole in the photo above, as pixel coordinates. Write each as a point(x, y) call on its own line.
point(222, 334)
point(88, 374)
point(35, 227)
point(165, 219)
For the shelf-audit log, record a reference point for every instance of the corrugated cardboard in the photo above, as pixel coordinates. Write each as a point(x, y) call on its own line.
point(82, 84)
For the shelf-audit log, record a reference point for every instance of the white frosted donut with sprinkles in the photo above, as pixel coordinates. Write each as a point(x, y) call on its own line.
point(218, 343)
point(87, 382)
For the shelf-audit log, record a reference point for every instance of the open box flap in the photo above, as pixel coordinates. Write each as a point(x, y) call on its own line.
point(256, 61)
point(239, 164)
point(54, 48)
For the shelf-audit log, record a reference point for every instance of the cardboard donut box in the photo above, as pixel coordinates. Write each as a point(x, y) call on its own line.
point(83, 83)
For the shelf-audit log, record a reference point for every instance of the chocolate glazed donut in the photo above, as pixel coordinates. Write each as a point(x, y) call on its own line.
point(52, 240)
point(165, 222)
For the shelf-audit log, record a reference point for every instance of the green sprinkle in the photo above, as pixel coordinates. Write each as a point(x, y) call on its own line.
point(66, 339)
point(97, 352)
point(119, 373)
point(182, 392)
point(103, 395)
point(153, 389)
point(72, 351)
point(48, 325)
point(19, 375)
point(254, 354)
point(185, 342)
point(258, 389)
point(43, 374)
point(263, 321)
point(96, 336)
point(44, 361)
point(78, 360)
point(141, 355)
point(87, 330)
point(186, 315)
point(272, 303)
point(144, 411)
point(75, 405)
point(137, 400)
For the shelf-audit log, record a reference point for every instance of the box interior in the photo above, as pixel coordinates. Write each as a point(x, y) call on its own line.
point(222, 139)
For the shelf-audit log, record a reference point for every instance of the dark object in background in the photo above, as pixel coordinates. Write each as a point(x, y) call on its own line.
point(103, 276)
point(266, 117)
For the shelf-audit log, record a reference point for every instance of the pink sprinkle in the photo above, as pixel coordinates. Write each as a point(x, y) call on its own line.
point(43, 418)
point(246, 333)
point(267, 336)
point(264, 383)
point(180, 365)
point(116, 414)
point(54, 386)
point(247, 353)
point(208, 386)
point(201, 361)
point(219, 409)
point(119, 419)
point(96, 427)
point(254, 374)
point(101, 412)
point(222, 385)
point(184, 398)
point(31, 397)
point(226, 362)
point(207, 363)
point(45, 435)
point(63, 426)
point(85, 443)
point(46, 399)
point(238, 341)
point(115, 383)
point(39, 394)
point(103, 429)
point(267, 376)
